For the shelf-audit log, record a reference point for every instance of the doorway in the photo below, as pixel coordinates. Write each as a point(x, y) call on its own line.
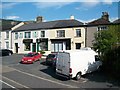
point(34, 47)
point(16, 47)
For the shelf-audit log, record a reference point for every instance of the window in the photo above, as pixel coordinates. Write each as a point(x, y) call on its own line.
point(16, 35)
point(0, 34)
point(78, 45)
point(42, 33)
point(61, 33)
point(27, 34)
point(78, 32)
point(0, 45)
point(21, 35)
point(35, 35)
point(7, 35)
point(7, 45)
point(27, 47)
point(102, 28)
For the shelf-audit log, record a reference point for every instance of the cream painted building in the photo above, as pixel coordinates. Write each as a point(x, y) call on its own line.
point(50, 36)
point(5, 39)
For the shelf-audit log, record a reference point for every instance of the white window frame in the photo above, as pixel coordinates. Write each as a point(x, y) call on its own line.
point(60, 33)
point(28, 36)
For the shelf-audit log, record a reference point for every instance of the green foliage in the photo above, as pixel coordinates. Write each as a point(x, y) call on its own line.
point(107, 44)
point(42, 52)
point(106, 39)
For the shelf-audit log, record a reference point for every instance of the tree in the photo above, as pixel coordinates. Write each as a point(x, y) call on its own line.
point(106, 39)
point(107, 44)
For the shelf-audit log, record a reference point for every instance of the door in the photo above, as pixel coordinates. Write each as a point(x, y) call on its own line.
point(63, 63)
point(66, 63)
point(59, 63)
point(16, 47)
point(34, 47)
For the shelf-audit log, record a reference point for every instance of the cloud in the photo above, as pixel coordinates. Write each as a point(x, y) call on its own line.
point(7, 5)
point(113, 19)
point(86, 21)
point(12, 17)
point(51, 4)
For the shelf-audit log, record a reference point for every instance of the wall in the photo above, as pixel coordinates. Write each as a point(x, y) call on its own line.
point(90, 35)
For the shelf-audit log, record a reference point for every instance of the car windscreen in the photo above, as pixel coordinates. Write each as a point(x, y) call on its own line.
point(51, 56)
point(29, 55)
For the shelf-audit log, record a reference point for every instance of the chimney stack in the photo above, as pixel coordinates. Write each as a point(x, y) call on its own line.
point(72, 17)
point(105, 16)
point(39, 19)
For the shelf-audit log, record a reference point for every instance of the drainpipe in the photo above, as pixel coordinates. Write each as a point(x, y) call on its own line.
point(11, 39)
point(85, 36)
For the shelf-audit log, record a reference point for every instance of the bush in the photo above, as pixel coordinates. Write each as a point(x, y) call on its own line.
point(42, 52)
point(111, 62)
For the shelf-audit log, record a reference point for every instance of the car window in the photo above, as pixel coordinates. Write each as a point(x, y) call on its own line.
point(36, 53)
point(29, 55)
point(51, 56)
point(97, 58)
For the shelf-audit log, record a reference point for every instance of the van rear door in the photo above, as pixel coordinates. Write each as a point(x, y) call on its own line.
point(66, 64)
point(63, 64)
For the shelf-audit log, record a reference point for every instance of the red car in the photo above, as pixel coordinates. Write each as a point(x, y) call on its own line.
point(31, 57)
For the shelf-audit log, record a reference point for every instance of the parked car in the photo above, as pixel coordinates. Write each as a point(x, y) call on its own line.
point(6, 52)
point(31, 57)
point(51, 59)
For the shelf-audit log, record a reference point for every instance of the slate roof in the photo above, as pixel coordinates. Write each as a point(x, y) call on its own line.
point(99, 21)
point(50, 25)
point(116, 21)
point(6, 24)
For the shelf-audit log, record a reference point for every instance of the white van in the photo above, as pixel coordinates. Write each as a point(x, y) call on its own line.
point(76, 63)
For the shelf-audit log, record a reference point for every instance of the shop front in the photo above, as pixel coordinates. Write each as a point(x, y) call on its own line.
point(60, 45)
point(27, 44)
point(42, 44)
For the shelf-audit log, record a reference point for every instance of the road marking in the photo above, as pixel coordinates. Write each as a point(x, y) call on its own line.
point(7, 84)
point(14, 82)
point(79, 81)
point(46, 79)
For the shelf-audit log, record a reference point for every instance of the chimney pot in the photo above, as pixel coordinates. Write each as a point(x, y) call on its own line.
point(39, 19)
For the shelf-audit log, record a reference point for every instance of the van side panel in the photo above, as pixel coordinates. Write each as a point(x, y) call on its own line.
point(78, 63)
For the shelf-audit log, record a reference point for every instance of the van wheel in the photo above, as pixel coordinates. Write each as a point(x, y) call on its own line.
point(78, 76)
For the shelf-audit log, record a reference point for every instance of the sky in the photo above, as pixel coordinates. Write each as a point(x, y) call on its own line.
point(62, 10)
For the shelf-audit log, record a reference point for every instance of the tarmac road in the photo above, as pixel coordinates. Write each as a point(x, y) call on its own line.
point(39, 75)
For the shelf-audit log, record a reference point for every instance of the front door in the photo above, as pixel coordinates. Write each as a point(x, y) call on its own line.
point(34, 47)
point(16, 47)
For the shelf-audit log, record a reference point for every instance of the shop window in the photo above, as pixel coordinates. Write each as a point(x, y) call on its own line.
point(78, 45)
point(27, 47)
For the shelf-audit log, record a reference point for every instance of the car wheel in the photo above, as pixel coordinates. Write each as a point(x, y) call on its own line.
point(9, 53)
point(78, 76)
